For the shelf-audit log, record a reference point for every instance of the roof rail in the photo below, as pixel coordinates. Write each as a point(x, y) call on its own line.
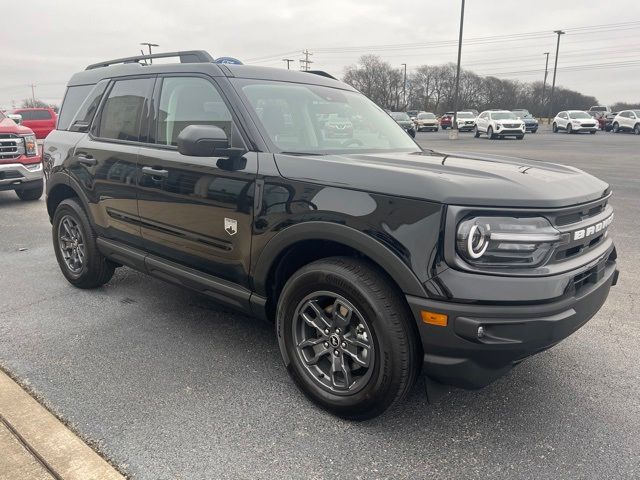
point(321, 73)
point(189, 56)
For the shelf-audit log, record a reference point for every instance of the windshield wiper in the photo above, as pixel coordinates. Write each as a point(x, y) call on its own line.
point(304, 154)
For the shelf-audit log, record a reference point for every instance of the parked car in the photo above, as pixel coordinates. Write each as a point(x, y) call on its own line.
point(499, 124)
point(375, 259)
point(600, 118)
point(15, 117)
point(413, 114)
point(426, 121)
point(530, 123)
point(405, 122)
point(20, 161)
point(627, 121)
point(608, 121)
point(40, 120)
point(574, 121)
point(466, 121)
point(599, 108)
point(446, 120)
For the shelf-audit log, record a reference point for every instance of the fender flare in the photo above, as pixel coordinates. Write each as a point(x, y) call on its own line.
point(62, 178)
point(318, 230)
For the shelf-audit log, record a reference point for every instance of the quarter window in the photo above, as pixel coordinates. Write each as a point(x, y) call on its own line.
point(72, 101)
point(188, 101)
point(124, 109)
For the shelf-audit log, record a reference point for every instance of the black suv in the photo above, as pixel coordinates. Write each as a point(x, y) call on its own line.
point(374, 258)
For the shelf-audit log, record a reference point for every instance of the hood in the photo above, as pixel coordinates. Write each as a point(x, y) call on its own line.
point(9, 126)
point(454, 179)
point(404, 123)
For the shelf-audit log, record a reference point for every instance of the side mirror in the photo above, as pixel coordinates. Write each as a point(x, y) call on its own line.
point(79, 126)
point(206, 141)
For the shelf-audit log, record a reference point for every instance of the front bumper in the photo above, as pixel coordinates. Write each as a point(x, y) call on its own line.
point(455, 354)
point(531, 127)
point(506, 132)
point(16, 176)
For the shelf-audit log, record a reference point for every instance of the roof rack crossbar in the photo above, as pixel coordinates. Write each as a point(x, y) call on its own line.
point(189, 56)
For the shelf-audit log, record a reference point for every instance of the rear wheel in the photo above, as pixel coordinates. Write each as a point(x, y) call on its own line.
point(554, 128)
point(477, 134)
point(347, 338)
point(74, 242)
point(30, 194)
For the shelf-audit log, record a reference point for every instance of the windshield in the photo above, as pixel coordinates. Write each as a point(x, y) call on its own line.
point(598, 109)
point(412, 113)
point(579, 115)
point(426, 116)
point(503, 116)
point(637, 112)
point(400, 116)
point(466, 115)
point(521, 113)
point(301, 118)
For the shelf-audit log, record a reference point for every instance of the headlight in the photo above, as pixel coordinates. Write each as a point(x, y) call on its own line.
point(30, 145)
point(506, 241)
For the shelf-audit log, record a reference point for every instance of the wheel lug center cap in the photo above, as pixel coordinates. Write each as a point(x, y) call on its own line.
point(334, 340)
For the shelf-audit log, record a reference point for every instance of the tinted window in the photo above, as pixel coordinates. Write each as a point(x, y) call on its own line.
point(188, 101)
point(579, 115)
point(88, 108)
point(123, 110)
point(503, 116)
point(34, 114)
point(72, 101)
point(425, 116)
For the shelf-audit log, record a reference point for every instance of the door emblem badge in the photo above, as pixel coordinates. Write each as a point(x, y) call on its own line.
point(231, 226)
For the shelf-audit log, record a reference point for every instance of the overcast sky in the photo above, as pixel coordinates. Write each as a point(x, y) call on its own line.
point(598, 56)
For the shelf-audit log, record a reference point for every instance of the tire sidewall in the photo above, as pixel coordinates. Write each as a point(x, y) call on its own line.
point(71, 208)
point(308, 281)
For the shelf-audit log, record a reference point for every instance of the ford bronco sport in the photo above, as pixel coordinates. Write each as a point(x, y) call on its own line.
point(375, 259)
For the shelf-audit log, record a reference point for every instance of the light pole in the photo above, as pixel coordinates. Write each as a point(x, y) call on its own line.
point(288, 60)
point(555, 67)
point(544, 82)
point(404, 87)
point(149, 45)
point(453, 134)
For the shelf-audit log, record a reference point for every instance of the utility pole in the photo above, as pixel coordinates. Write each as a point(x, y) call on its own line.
point(454, 128)
point(544, 82)
point(555, 67)
point(404, 86)
point(33, 93)
point(304, 64)
point(288, 60)
point(149, 45)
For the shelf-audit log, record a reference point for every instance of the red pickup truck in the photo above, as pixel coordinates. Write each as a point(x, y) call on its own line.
point(40, 120)
point(20, 160)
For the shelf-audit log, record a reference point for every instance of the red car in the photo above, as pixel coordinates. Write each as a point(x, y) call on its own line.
point(446, 120)
point(40, 120)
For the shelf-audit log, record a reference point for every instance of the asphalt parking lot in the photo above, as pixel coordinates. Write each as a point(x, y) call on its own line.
point(168, 385)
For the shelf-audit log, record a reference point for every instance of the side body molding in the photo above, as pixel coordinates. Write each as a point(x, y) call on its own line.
point(335, 232)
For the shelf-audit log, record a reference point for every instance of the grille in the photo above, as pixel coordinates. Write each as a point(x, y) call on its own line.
point(588, 124)
point(8, 175)
point(511, 125)
point(571, 220)
point(9, 146)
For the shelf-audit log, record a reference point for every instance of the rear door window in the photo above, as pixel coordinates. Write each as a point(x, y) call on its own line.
point(35, 114)
point(124, 110)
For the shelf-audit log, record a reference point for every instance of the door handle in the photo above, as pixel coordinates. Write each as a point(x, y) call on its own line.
point(153, 172)
point(86, 159)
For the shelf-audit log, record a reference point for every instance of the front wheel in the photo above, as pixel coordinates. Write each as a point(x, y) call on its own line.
point(616, 127)
point(569, 128)
point(554, 128)
point(490, 134)
point(636, 129)
point(592, 132)
point(74, 242)
point(477, 134)
point(520, 137)
point(346, 337)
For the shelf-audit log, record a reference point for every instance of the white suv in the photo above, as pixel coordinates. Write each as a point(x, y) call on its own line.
point(627, 120)
point(574, 121)
point(499, 124)
point(466, 121)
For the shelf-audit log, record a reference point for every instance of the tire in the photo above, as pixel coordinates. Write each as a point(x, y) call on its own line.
point(477, 134)
point(92, 269)
point(519, 137)
point(592, 132)
point(636, 129)
point(30, 194)
point(535, 130)
point(490, 134)
point(412, 133)
point(554, 128)
point(435, 129)
point(616, 127)
point(569, 128)
point(384, 324)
